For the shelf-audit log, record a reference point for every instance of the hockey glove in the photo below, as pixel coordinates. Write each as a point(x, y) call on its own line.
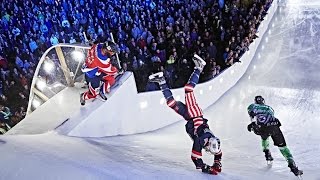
point(209, 170)
point(250, 126)
point(217, 166)
point(279, 123)
point(254, 127)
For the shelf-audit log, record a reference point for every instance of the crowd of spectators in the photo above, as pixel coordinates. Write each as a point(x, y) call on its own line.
point(153, 36)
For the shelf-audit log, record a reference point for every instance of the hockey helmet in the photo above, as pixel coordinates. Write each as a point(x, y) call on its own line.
point(213, 145)
point(111, 46)
point(259, 100)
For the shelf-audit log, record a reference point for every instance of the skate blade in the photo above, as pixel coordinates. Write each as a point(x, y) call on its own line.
point(200, 59)
point(160, 74)
point(300, 177)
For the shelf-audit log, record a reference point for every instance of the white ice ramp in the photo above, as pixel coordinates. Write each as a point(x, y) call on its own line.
point(62, 109)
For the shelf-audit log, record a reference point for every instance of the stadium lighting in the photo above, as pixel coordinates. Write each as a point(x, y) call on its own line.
point(36, 103)
point(48, 65)
point(78, 55)
point(41, 84)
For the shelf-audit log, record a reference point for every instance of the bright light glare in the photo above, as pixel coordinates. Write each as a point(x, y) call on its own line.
point(36, 103)
point(162, 100)
point(41, 84)
point(201, 91)
point(77, 55)
point(232, 71)
point(143, 104)
point(210, 88)
point(48, 66)
point(221, 80)
point(177, 98)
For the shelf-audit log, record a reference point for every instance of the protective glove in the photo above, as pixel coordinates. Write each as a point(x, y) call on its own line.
point(250, 126)
point(209, 170)
point(217, 166)
point(279, 123)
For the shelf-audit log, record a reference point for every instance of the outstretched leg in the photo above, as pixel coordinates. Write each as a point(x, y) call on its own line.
point(194, 111)
point(193, 108)
point(177, 106)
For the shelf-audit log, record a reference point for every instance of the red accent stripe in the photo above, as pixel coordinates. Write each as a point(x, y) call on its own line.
point(171, 103)
point(218, 153)
point(193, 108)
point(194, 105)
point(197, 153)
point(189, 105)
point(198, 119)
point(188, 87)
point(93, 91)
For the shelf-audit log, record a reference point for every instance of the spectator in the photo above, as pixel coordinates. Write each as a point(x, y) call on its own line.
point(157, 28)
point(33, 45)
point(5, 115)
point(3, 63)
point(54, 40)
point(19, 63)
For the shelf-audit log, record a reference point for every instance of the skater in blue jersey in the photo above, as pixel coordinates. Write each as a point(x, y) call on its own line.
point(196, 126)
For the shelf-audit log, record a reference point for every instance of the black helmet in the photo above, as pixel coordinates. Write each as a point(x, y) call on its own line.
point(111, 46)
point(259, 100)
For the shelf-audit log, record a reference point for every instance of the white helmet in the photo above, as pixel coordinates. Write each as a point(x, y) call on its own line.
point(213, 145)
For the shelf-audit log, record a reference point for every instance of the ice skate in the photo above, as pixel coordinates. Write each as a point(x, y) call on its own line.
point(102, 95)
point(198, 62)
point(294, 169)
point(157, 78)
point(268, 156)
point(82, 100)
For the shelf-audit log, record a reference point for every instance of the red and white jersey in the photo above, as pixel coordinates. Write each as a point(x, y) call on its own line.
point(97, 62)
